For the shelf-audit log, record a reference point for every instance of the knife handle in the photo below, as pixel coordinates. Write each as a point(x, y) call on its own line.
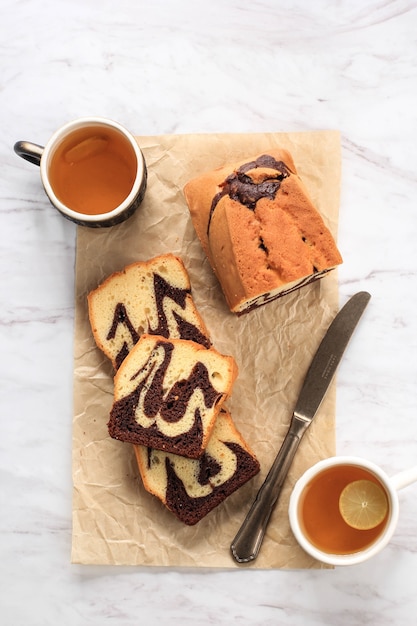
point(247, 543)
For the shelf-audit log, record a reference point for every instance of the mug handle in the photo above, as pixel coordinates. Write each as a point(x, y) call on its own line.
point(31, 152)
point(405, 478)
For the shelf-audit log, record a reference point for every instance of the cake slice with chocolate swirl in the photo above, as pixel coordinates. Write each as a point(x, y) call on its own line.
point(152, 297)
point(151, 401)
point(167, 394)
point(191, 488)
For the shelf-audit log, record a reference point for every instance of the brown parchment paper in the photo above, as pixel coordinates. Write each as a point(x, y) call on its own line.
point(115, 521)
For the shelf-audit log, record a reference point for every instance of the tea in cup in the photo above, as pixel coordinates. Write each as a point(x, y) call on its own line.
point(92, 170)
point(344, 510)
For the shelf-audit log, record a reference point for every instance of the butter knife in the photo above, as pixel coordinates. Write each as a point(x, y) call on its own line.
point(247, 543)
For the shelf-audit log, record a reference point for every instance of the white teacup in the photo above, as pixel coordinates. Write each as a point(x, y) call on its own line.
point(92, 170)
point(330, 470)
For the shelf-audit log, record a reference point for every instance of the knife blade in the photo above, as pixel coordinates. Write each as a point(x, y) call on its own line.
point(247, 542)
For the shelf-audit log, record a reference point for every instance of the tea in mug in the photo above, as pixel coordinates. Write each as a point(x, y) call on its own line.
point(93, 170)
point(320, 515)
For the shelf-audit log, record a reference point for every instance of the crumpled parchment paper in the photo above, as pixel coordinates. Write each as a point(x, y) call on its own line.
point(115, 521)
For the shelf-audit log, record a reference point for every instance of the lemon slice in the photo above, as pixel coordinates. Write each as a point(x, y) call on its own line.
point(363, 504)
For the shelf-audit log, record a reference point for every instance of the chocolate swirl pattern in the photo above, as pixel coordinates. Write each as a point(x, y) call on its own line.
point(252, 181)
point(121, 318)
point(151, 297)
point(168, 394)
point(191, 488)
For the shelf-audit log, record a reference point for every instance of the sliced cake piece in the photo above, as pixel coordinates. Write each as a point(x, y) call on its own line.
point(259, 229)
point(191, 488)
point(167, 394)
point(152, 297)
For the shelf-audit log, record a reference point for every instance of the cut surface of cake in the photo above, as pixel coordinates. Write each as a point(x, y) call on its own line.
point(152, 297)
point(259, 229)
point(167, 394)
point(144, 298)
point(191, 488)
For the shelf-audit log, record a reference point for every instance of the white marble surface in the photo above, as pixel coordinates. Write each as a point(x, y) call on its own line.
point(190, 66)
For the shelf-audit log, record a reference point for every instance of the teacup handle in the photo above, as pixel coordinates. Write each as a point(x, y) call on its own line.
point(31, 152)
point(405, 478)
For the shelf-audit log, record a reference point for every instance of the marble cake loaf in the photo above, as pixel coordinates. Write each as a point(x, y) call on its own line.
point(191, 488)
point(167, 394)
point(259, 229)
point(152, 297)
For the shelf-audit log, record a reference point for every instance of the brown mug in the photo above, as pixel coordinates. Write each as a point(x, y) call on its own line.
point(92, 170)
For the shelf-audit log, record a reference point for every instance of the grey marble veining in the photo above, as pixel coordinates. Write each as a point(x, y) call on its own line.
point(182, 67)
